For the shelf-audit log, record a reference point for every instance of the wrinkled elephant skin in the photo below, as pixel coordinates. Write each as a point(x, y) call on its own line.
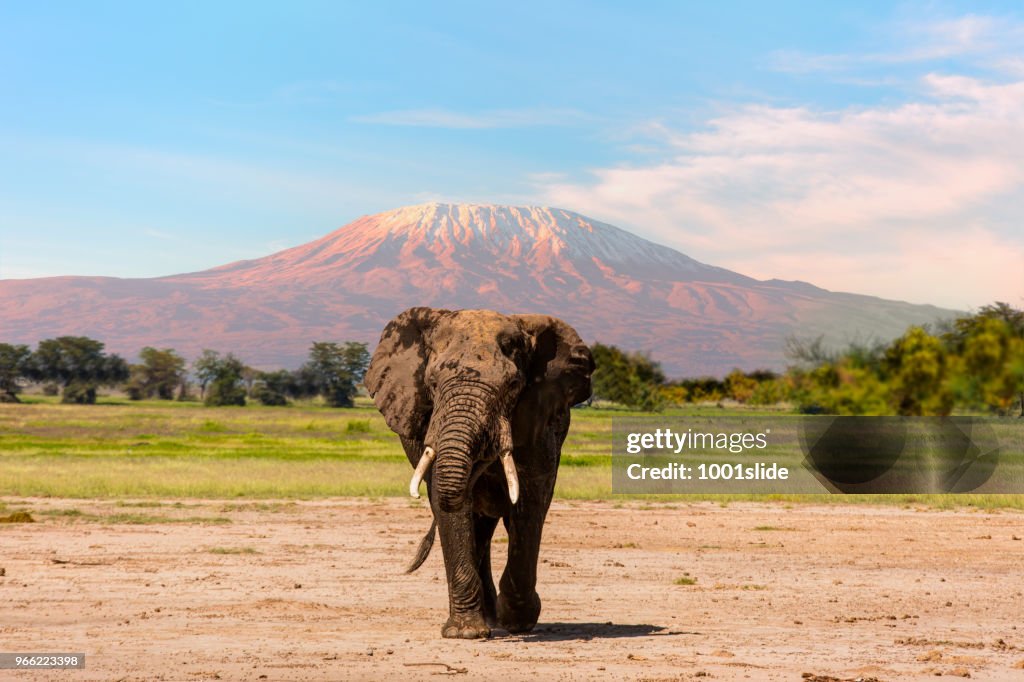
point(484, 399)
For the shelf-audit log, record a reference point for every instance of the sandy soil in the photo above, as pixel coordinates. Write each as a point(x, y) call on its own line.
point(315, 590)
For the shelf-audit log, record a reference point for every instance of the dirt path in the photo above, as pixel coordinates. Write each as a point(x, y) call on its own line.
point(315, 590)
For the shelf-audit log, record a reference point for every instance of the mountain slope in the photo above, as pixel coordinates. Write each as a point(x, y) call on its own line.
point(611, 285)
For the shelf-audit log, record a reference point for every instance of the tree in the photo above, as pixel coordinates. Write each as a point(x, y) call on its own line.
point(249, 378)
point(335, 369)
point(771, 391)
point(613, 376)
point(808, 352)
point(963, 327)
point(220, 378)
point(356, 358)
point(630, 379)
point(990, 366)
point(702, 389)
point(975, 361)
point(739, 386)
point(205, 367)
point(303, 383)
point(77, 363)
point(989, 344)
point(274, 388)
point(843, 387)
point(675, 394)
point(13, 364)
point(647, 370)
point(160, 374)
point(916, 367)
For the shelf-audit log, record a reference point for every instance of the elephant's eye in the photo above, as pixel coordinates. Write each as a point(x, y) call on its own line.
point(509, 343)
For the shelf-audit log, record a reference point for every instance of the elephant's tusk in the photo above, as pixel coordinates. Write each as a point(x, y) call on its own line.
point(421, 470)
point(507, 463)
point(511, 476)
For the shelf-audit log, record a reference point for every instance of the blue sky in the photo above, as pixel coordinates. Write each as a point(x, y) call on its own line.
point(869, 147)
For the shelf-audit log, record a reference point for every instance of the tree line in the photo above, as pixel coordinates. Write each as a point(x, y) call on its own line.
point(974, 362)
point(77, 366)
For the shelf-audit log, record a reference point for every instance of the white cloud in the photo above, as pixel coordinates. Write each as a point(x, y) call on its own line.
point(994, 39)
point(917, 201)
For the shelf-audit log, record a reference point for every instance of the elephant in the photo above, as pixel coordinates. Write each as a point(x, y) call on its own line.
point(480, 402)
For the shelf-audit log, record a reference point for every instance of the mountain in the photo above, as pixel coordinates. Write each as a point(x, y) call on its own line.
point(611, 285)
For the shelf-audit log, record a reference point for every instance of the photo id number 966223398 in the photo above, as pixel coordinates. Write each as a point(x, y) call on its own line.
point(41, 661)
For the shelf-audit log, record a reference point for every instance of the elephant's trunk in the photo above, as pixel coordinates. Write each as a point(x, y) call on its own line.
point(459, 426)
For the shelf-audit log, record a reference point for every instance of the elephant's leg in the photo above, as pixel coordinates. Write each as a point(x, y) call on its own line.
point(518, 601)
point(484, 528)
point(465, 591)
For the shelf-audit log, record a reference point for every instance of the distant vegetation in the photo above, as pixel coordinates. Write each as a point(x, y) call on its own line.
point(630, 379)
point(973, 363)
point(74, 365)
point(161, 374)
point(77, 366)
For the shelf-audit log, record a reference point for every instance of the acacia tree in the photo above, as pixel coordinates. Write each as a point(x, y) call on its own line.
point(205, 369)
point(77, 363)
point(160, 374)
point(220, 378)
point(13, 364)
point(334, 369)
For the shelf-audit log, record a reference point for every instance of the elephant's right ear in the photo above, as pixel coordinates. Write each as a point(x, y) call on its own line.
point(395, 377)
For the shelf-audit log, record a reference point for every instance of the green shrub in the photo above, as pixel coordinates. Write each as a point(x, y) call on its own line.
point(225, 392)
point(268, 396)
point(79, 393)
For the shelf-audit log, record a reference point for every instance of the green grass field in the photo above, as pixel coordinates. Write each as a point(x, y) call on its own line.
point(155, 449)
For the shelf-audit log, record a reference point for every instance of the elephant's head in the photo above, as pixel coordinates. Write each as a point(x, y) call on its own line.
point(450, 381)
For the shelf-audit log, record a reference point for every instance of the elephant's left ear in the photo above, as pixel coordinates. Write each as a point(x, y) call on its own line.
point(561, 361)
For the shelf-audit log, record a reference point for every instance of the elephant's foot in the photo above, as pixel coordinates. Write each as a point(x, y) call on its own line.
point(518, 615)
point(466, 626)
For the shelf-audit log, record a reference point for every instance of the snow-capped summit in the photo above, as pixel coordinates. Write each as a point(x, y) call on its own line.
point(524, 243)
point(527, 232)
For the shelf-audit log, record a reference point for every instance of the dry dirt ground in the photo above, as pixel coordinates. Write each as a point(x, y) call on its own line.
point(316, 590)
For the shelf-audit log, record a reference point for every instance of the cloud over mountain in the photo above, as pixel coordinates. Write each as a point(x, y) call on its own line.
point(891, 197)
